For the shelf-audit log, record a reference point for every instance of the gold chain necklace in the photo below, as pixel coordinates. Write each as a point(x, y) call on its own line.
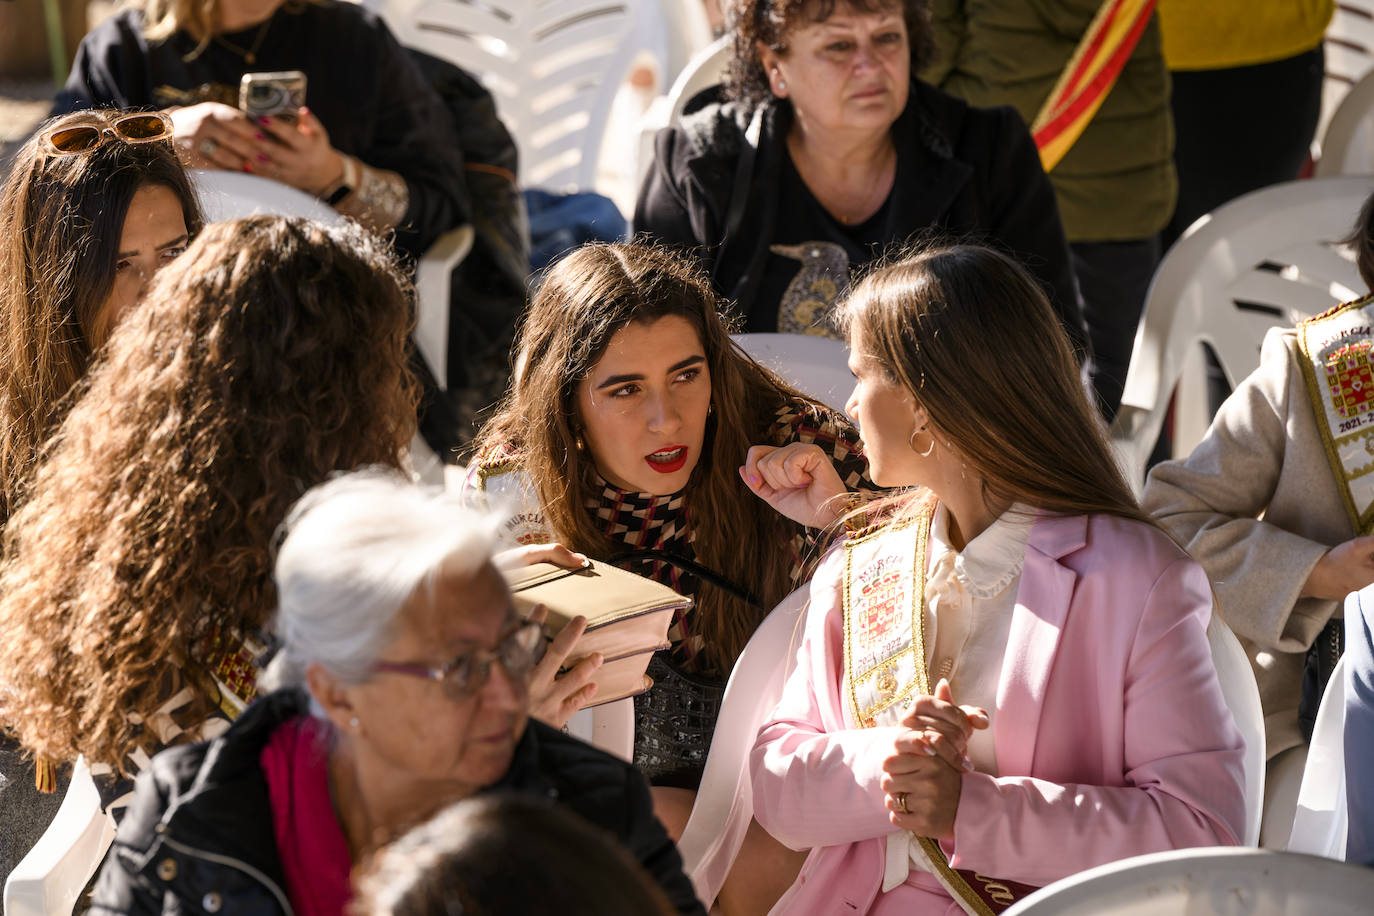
point(250, 53)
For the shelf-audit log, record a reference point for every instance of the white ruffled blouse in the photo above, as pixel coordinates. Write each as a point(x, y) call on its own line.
point(970, 595)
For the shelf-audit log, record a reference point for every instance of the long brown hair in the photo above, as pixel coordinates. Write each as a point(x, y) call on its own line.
point(267, 356)
point(61, 218)
point(971, 335)
point(584, 300)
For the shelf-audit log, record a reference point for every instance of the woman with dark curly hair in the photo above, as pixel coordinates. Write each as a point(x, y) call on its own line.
point(84, 228)
point(822, 148)
point(136, 577)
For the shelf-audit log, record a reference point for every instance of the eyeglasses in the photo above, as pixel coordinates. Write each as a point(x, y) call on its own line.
point(466, 674)
point(144, 127)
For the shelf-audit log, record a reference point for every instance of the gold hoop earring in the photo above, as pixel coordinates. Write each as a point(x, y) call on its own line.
point(577, 441)
point(911, 441)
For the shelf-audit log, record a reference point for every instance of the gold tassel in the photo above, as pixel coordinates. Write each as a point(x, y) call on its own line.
point(44, 776)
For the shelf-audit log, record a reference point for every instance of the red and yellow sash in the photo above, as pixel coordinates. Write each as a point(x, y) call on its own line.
point(1337, 350)
point(885, 665)
point(1090, 75)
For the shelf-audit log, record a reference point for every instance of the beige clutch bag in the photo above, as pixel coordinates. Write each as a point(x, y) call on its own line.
point(628, 617)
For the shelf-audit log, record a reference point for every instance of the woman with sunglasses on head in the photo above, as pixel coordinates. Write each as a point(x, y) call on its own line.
point(622, 436)
point(1005, 675)
point(404, 667)
point(94, 205)
point(137, 578)
point(374, 141)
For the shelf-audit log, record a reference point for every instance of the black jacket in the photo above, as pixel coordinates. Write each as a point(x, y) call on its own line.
point(364, 88)
point(967, 172)
point(198, 836)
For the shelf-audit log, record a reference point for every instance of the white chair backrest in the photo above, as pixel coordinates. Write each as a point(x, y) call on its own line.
point(725, 800)
point(610, 726)
point(553, 66)
point(1349, 53)
point(1238, 687)
point(815, 366)
point(233, 195)
point(230, 195)
point(1347, 146)
point(1211, 880)
point(1264, 260)
point(707, 68)
point(50, 878)
point(1319, 824)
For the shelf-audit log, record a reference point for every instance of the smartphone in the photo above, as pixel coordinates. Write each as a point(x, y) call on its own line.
point(279, 94)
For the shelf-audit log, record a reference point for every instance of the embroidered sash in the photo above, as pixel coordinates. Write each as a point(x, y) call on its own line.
point(1338, 366)
point(885, 664)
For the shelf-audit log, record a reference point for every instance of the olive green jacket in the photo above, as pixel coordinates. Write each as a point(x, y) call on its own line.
point(1117, 182)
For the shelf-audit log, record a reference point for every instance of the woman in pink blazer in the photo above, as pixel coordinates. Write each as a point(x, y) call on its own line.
point(1005, 676)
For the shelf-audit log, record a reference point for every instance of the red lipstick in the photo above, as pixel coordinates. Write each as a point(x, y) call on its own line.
point(668, 460)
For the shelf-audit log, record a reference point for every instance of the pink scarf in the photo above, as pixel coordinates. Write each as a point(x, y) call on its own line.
point(310, 841)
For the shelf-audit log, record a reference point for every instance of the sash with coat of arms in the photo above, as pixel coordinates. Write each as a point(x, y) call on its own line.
point(885, 666)
point(1338, 367)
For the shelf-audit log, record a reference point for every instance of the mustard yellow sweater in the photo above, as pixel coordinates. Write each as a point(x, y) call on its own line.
point(1216, 34)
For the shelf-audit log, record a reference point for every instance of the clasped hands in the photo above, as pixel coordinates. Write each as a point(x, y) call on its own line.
point(211, 135)
point(924, 774)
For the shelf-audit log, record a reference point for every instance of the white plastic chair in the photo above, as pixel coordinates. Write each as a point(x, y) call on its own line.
point(51, 877)
point(1225, 881)
point(610, 727)
point(1264, 260)
point(725, 800)
point(1349, 52)
point(553, 66)
point(1238, 688)
point(815, 366)
point(1347, 146)
point(707, 68)
point(1319, 824)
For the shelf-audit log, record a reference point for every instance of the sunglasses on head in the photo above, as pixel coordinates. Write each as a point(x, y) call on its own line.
point(144, 127)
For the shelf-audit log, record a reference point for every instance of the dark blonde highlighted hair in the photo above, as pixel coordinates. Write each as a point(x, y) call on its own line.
point(969, 333)
point(584, 300)
point(61, 219)
point(269, 355)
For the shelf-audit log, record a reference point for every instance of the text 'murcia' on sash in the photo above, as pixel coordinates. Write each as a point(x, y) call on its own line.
point(1339, 372)
point(884, 667)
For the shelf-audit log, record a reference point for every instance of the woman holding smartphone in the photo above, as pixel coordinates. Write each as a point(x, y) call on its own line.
point(373, 139)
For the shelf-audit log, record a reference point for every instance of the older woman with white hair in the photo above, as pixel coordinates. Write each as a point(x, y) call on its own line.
point(404, 669)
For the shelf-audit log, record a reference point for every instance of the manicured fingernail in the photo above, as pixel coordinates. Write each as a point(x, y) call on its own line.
point(247, 168)
point(261, 136)
point(583, 559)
point(261, 157)
point(754, 481)
point(264, 120)
point(967, 764)
point(930, 751)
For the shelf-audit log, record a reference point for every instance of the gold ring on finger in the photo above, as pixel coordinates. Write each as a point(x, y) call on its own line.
point(900, 799)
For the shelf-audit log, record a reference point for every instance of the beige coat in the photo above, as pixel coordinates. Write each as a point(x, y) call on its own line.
point(1262, 456)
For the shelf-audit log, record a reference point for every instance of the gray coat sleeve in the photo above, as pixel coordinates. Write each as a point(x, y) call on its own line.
point(1236, 503)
